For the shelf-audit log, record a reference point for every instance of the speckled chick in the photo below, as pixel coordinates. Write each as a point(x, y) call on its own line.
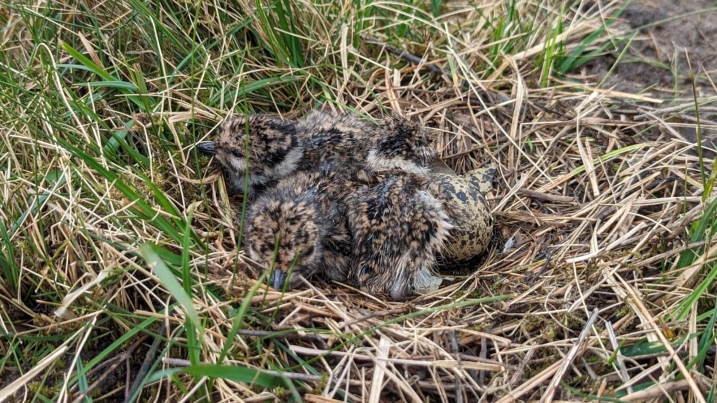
point(402, 144)
point(273, 151)
point(408, 146)
point(398, 227)
point(279, 148)
point(379, 231)
point(297, 226)
point(342, 139)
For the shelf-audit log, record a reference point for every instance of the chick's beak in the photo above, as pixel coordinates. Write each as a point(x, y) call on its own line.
point(207, 147)
point(278, 279)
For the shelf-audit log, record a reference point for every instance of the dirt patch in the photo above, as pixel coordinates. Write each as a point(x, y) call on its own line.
point(656, 60)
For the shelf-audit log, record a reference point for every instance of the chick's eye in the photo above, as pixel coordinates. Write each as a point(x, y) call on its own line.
point(237, 154)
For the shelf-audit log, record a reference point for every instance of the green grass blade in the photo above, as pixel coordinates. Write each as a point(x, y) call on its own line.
point(240, 315)
point(160, 269)
point(232, 373)
point(107, 77)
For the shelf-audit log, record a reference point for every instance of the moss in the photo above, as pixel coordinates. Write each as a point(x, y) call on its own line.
point(37, 388)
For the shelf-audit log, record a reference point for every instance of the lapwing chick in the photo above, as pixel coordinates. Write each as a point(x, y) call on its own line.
point(273, 151)
point(279, 148)
point(402, 144)
point(341, 139)
point(376, 231)
point(298, 228)
point(397, 228)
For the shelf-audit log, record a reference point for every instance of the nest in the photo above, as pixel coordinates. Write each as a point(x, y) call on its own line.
point(591, 205)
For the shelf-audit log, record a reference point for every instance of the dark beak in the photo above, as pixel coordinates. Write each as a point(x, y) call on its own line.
point(278, 279)
point(207, 148)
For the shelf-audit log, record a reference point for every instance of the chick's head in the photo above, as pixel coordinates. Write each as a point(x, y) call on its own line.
point(285, 236)
point(264, 146)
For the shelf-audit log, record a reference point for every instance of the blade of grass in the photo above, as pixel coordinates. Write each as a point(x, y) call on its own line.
point(578, 57)
point(240, 315)
point(107, 77)
point(160, 269)
point(229, 372)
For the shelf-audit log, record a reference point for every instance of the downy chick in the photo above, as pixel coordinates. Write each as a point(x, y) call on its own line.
point(397, 228)
point(273, 151)
point(280, 148)
point(298, 226)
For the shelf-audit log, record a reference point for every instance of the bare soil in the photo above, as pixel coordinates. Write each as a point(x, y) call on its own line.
point(657, 59)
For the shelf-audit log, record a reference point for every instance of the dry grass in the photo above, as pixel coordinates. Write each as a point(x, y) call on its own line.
point(599, 283)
